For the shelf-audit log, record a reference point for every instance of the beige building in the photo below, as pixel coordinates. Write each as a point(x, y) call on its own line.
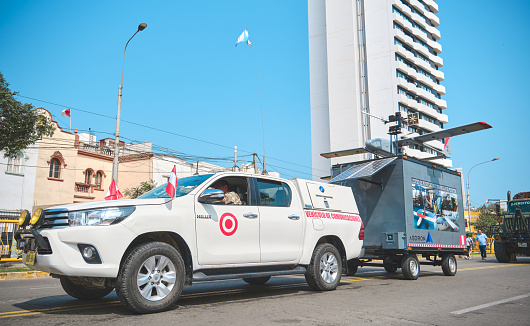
point(75, 168)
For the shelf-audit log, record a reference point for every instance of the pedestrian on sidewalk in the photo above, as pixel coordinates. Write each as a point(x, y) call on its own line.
point(481, 237)
point(469, 242)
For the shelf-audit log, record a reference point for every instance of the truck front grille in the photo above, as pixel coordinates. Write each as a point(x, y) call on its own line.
point(55, 219)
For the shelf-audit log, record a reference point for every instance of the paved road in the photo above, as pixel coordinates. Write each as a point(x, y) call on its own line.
point(482, 293)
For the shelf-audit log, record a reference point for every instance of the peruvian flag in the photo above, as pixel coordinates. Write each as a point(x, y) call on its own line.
point(172, 184)
point(113, 193)
point(446, 140)
point(65, 113)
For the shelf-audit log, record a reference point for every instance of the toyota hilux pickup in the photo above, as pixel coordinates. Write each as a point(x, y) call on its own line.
point(149, 248)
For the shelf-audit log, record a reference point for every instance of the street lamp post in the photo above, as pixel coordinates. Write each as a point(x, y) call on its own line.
point(115, 162)
point(468, 207)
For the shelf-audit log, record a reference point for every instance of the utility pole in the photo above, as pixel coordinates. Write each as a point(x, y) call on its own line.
point(235, 159)
point(254, 162)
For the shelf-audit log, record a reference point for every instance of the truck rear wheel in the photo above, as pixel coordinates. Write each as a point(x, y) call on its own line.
point(325, 269)
point(501, 252)
point(82, 292)
point(151, 278)
point(449, 265)
point(410, 267)
point(257, 280)
point(390, 265)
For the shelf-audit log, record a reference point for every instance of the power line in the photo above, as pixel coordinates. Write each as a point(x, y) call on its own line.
point(165, 131)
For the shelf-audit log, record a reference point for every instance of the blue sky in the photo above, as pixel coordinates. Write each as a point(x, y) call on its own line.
point(185, 78)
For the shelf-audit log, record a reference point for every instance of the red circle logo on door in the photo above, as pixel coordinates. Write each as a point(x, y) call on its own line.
point(228, 224)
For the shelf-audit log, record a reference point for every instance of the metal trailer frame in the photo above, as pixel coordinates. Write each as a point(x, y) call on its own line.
point(384, 192)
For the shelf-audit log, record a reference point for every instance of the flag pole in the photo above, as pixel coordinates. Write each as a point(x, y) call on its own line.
point(261, 105)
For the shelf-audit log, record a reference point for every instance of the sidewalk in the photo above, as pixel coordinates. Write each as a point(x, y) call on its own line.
point(4, 276)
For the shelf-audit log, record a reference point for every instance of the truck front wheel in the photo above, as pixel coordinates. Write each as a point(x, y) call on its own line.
point(325, 269)
point(501, 252)
point(151, 278)
point(449, 265)
point(82, 292)
point(410, 267)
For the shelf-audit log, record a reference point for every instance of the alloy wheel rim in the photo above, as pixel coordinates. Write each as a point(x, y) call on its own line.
point(329, 268)
point(156, 278)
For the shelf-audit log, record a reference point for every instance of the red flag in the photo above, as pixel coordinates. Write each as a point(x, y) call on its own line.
point(113, 193)
point(172, 184)
point(446, 140)
point(65, 113)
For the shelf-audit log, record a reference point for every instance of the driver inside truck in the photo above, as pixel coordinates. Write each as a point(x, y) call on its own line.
point(231, 198)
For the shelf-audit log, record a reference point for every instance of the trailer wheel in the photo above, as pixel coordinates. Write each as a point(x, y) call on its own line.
point(390, 265)
point(257, 280)
point(352, 267)
point(449, 265)
point(325, 269)
point(501, 252)
point(410, 267)
point(151, 278)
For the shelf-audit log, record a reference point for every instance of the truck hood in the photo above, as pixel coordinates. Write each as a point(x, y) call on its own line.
point(113, 203)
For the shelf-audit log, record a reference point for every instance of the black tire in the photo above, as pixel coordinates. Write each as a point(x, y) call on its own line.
point(82, 292)
point(324, 271)
point(353, 266)
point(449, 265)
point(410, 267)
point(257, 280)
point(161, 268)
point(390, 265)
point(501, 252)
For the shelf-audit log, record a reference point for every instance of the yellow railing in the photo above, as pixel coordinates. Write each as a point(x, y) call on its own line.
point(7, 241)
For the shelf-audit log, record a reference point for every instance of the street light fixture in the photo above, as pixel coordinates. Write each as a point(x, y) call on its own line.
point(115, 162)
point(468, 207)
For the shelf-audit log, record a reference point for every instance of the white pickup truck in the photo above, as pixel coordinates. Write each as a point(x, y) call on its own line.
point(149, 248)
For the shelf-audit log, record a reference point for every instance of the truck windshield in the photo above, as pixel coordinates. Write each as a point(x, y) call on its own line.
point(184, 186)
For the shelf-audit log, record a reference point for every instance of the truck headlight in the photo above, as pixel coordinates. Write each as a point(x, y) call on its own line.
point(102, 216)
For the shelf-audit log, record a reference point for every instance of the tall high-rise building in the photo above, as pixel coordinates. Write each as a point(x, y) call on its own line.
point(377, 57)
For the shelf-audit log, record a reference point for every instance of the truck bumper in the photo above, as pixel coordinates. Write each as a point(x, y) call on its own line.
point(64, 256)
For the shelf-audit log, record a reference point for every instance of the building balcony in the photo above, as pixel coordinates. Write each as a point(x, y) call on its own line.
point(96, 149)
point(439, 88)
point(404, 38)
point(435, 33)
point(432, 5)
point(431, 127)
point(439, 62)
point(442, 104)
point(438, 74)
point(421, 8)
point(432, 113)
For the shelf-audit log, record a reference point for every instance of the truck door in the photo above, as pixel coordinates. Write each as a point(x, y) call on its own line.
point(281, 222)
point(228, 234)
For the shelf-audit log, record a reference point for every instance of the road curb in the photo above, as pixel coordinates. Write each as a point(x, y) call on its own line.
point(22, 275)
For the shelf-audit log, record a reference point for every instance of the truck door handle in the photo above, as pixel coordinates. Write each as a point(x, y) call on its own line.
point(250, 215)
point(294, 217)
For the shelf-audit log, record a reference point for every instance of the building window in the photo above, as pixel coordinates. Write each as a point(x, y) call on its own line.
point(88, 176)
point(99, 179)
point(16, 164)
point(55, 168)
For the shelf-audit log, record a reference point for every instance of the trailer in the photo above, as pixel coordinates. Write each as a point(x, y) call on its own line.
point(410, 207)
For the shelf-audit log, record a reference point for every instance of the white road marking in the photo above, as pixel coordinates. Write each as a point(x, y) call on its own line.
point(486, 305)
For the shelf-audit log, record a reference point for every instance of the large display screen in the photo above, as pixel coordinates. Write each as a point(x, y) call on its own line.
point(435, 206)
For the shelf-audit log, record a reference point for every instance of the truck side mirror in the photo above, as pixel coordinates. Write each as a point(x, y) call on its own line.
point(210, 196)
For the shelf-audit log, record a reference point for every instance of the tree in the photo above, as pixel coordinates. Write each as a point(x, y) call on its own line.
point(136, 192)
point(20, 124)
point(487, 218)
